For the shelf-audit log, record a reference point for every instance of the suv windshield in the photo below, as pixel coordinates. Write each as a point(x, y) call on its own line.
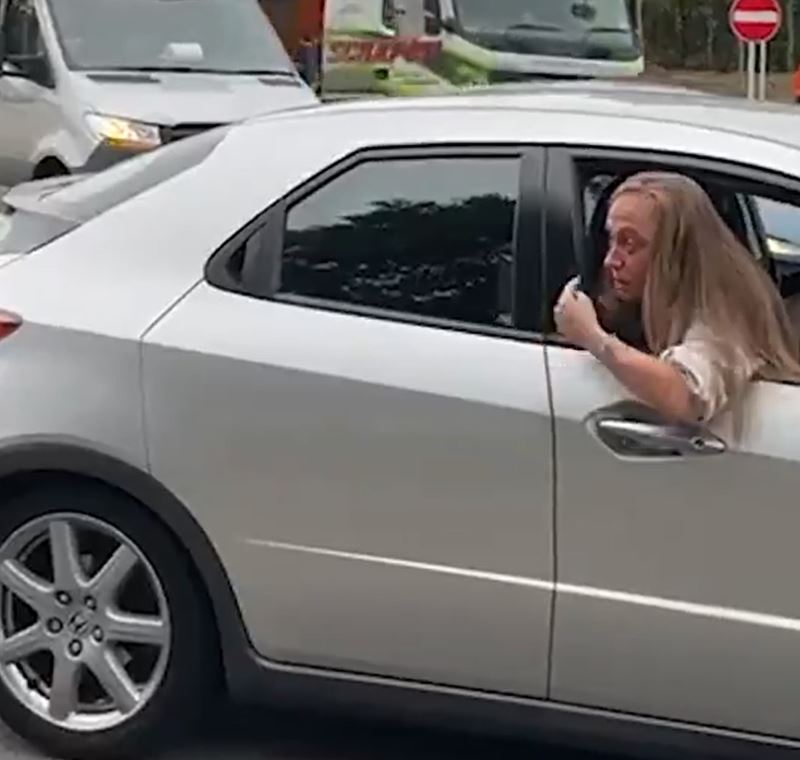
point(551, 15)
point(591, 29)
point(225, 36)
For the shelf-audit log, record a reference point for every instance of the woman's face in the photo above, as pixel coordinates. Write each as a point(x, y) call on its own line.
point(631, 224)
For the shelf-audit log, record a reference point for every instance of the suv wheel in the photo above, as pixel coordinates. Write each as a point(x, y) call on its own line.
point(106, 641)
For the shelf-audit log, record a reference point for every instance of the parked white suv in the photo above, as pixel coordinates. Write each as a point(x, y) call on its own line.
point(85, 83)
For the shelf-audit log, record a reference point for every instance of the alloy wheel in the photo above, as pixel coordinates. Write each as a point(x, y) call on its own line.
point(85, 630)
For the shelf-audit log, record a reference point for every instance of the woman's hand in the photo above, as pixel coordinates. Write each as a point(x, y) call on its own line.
point(657, 383)
point(576, 318)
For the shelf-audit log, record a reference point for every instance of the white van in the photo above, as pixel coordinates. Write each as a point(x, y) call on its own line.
point(86, 83)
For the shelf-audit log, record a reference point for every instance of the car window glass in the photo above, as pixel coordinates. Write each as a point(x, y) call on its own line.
point(592, 191)
point(21, 30)
point(226, 36)
point(781, 223)
point(430, 236)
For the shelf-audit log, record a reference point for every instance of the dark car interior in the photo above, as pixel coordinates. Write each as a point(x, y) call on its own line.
point(599, 180)
point(726, 200)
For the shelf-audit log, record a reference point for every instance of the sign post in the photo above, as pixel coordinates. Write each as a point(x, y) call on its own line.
point(756, 23)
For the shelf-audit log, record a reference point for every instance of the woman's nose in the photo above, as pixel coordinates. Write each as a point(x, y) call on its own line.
point(612, 260)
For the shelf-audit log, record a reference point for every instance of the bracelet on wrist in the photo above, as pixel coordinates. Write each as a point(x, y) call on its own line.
point(602, 346)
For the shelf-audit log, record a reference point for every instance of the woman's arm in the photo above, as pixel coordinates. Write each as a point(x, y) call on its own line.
point(654, 381)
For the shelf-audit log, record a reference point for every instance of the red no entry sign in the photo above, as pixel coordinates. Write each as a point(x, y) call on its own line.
point(756, 20)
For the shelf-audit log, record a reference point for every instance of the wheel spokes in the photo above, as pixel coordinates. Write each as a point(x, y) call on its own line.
point(64, 691)
point(128, 628)
point(24, 643)
point(67, 571)
point(111, 577)
point(115, 680)
point(34, 591)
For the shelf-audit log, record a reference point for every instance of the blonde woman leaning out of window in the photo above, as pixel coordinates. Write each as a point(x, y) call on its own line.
point(712, 318)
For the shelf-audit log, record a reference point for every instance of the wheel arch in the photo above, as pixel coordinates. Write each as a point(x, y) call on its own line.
point(49, 166)
point(25, 463)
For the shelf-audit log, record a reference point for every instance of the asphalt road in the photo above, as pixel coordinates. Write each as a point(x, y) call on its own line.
point(248, 734)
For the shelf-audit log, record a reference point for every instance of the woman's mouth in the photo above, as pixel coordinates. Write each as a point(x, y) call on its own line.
point(618, 284)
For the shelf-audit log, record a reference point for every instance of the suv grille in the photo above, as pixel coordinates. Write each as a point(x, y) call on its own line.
point(180, 131)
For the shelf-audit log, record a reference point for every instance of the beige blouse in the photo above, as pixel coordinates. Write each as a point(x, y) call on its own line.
point(716, 371)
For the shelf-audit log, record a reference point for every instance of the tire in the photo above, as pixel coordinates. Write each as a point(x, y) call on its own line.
point(188, 663)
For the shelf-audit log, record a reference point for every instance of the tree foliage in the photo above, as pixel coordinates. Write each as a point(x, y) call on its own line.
point(695, 34)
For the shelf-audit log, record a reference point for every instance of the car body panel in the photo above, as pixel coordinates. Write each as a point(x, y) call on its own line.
point(675, 579)
point(34, 195)
point(367, 465)
point(177, 98)
point(143, 269)
point(71, 388)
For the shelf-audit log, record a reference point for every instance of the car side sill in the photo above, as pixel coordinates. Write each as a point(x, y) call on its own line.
point(427, 705)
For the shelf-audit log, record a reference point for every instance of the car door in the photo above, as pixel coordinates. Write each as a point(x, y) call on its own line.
point(359, 414)
point(677, 551)
point(27, 109)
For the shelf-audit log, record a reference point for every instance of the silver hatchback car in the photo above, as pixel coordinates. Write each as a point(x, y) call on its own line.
point(283, 410)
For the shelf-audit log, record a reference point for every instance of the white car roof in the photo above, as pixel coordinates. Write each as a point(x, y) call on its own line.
point(771, 121)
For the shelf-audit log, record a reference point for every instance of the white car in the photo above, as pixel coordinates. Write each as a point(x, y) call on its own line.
point(281, 411)
point(85, 84)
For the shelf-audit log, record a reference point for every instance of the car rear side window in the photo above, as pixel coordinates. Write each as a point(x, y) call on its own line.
point(425, 236)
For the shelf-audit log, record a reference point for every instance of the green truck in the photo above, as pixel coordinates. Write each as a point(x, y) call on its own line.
point(412, 47)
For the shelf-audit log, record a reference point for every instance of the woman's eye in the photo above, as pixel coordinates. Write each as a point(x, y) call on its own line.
point(627, 241)
point(621, 240)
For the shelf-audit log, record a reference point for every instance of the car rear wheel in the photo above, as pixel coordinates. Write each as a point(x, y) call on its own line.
point(106, 641)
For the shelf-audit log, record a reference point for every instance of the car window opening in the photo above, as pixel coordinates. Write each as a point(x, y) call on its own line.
point(767, 227)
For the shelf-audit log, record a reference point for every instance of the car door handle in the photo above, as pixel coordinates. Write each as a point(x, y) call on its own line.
point(635, 438)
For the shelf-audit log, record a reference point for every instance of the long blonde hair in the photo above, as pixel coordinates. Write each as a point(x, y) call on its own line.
point(699, 270)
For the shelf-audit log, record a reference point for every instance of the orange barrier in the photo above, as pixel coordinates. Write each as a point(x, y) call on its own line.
point(298, 22)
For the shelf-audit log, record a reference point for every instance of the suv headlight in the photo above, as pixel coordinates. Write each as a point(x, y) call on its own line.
point(124, 132)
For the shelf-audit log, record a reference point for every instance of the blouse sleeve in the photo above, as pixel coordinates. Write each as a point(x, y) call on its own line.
point(715, 371)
